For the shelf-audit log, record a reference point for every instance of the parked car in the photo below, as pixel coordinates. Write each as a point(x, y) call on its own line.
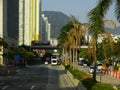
point(99, 67)
point(83, 62)
point(91, 69)
point(80, 62)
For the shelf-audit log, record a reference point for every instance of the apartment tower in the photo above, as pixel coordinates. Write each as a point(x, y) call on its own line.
point(29, 17)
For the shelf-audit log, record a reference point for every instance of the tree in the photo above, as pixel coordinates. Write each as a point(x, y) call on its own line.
point(63, 38)
point(76, 35)
point(117, 47)
point(64, 32)
point(3, 43)
point(96, 21)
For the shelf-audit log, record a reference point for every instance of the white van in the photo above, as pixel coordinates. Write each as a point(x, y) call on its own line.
point(54, 60)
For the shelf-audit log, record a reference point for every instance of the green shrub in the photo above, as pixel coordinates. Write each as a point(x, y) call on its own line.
point(78, 74)
point(119, 88)
point(88, 83)
point(102, 86)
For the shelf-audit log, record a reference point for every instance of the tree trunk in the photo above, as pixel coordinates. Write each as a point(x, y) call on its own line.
point(95, 61)
point(70, 57)
point(94, 73)
point(73, 58)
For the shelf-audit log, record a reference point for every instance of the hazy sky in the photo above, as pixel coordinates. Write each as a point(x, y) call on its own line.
point(77, 8)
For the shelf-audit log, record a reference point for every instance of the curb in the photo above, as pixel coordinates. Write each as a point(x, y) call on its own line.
point(77, 84)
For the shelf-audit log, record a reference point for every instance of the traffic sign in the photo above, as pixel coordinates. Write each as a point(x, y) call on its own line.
point(17, 57)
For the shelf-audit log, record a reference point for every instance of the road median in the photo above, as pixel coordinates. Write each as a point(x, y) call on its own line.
point(77, 84)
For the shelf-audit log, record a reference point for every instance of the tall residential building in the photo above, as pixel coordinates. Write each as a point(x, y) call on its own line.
point(1, 18)
point(8, 24)
point(29, 17)
point(21, 22)
point(47, 25)
point(1, 30)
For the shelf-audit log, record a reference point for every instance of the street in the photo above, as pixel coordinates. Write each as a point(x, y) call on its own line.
point(37, 77)
point(29, 78)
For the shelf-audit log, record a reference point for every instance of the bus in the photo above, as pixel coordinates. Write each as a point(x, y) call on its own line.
point(55, 59)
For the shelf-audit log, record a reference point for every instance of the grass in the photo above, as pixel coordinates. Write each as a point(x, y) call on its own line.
point(90, 84)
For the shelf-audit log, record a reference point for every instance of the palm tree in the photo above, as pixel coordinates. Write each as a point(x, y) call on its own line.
point(77, 35)
point(96, 21)
point(71, 41)
point(63, 38)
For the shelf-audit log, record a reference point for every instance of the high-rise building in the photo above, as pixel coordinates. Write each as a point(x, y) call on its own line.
point(29, 17)
point(47, 26)
point(19, 22)
point(8, 24)
point(1, 30)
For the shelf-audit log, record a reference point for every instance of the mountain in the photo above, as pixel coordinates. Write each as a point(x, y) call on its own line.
point(113, 31)
point(57, 21)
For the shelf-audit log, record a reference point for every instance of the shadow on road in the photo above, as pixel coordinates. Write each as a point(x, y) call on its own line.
point(35, 61)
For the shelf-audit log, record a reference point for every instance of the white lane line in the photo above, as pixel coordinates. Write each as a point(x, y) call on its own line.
point(18, 70)
point(32, 87)
point(4, 87)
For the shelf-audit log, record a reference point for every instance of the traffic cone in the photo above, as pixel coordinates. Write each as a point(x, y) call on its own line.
point(112, 74)
point(106, 72)
point(118, 76)
point(115, 74)
point(109, 72)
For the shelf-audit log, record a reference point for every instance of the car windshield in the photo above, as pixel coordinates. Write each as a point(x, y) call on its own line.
point(99, 64)
point(92, 67)
point(54, 57)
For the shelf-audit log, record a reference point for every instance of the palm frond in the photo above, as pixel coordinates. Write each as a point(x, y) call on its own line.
point(117, 9)
point(74, 19)
point(96, 16)
point(109, 37)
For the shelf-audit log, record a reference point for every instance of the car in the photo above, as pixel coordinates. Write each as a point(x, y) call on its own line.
point(91, 69)
point(46, 62)
point(80, 62)
point(54, 60)
point(85, 63)
point(59, 62)
point(48, 59)
point(99, 67)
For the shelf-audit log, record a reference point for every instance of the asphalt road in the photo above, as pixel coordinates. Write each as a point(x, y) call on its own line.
point(37, 77)
point(29, 78)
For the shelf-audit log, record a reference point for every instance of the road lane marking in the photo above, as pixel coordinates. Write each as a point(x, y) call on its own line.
point(32, 87)
point(4, 87)
point(18, 70)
